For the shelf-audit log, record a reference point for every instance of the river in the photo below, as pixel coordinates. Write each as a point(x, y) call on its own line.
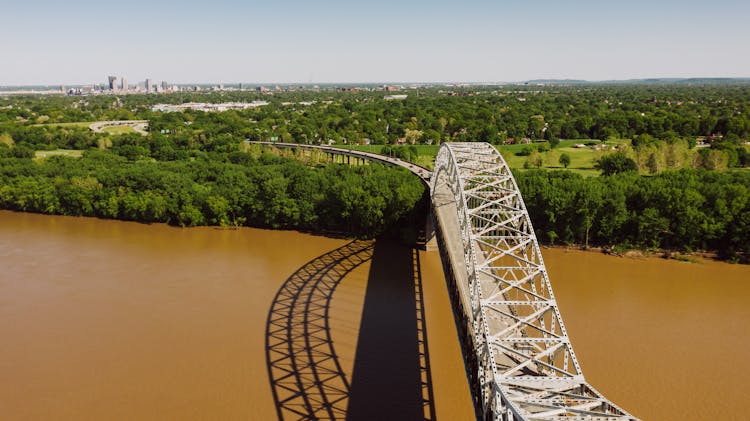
point(116, 320)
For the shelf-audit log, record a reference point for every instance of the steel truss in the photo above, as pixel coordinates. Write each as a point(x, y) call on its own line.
point(526, 365)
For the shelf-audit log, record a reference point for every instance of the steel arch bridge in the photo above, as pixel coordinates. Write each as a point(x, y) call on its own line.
point(523, 365)
point(518, 355)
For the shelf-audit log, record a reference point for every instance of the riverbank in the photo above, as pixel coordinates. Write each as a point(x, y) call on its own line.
point(634, 253)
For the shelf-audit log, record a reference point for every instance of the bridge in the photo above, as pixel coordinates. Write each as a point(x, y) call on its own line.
point(519, 357)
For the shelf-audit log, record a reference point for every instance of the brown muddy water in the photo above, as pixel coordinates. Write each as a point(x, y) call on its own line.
point(115, 320)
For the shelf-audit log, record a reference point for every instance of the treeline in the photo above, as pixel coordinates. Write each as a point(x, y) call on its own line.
point(491, 114)
point(685, 210)
point(214, 189)
point(427, 115)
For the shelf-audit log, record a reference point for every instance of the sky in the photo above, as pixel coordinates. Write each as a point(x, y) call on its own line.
point(330, 41)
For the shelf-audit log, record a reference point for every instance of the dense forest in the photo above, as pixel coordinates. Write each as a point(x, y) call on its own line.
point(685, 210)
point(220, 189)
point(667, 182)
point(461, 114)
point(664, 122)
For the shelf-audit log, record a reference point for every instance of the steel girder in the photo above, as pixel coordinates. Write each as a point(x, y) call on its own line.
point(526, 365)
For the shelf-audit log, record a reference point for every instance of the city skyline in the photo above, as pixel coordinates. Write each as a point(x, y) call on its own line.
point(355, 42)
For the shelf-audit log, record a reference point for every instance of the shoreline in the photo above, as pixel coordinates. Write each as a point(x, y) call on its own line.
point(692, 257)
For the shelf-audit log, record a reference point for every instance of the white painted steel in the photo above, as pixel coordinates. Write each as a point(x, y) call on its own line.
point(526, 365)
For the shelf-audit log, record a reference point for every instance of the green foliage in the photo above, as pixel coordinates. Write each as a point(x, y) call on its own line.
point(615, 163)
point(407, 153)
point(211, 189)
point(564, 160)
point(526, 151)
point(439, 114)
point(195, 168)
point(681, 210)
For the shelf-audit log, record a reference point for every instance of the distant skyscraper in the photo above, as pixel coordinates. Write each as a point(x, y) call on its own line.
point(164, 85)
point(112, 83)
point(149, 85)
point(124, 85)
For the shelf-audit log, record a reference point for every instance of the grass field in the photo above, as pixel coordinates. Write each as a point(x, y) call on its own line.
point(82, 124)
point(58, 152)
point(425, 153)
point(115, 130)
point(422, 150)
point(581, 159)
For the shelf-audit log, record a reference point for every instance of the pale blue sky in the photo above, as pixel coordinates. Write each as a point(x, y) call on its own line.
point(355, 41)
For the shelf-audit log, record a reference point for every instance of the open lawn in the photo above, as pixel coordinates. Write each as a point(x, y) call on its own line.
point(118, 130)
point(581, 159)
point(425, 153)
point(81, 124)
point(111, 127)
point(58, 152)
point(422, 150)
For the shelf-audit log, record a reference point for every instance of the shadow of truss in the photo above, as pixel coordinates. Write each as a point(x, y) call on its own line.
point(306, 377)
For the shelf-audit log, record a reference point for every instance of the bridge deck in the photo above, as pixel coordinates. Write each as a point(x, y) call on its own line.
point(421, 172)
point(520, 360)
point(445, 209)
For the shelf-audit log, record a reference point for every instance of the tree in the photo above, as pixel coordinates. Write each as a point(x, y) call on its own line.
point(564, 160)
point(412, 136)
point(535, 160)
point(615, 163)
point(652, 163)
point(6, 139)
point(536, 126)
point(526, 151)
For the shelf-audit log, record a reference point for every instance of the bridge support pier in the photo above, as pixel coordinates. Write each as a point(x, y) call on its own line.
point(430, 239)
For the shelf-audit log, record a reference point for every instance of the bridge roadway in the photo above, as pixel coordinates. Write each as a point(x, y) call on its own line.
point(519, 358)
point(421, 172)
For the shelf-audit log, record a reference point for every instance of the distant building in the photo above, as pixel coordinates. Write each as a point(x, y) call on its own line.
point(124, 85)
point(112, 83)
point(164, 85)
point(199, 106)
point(149, 85)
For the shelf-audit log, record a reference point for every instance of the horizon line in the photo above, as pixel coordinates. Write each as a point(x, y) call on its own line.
point(441, 82)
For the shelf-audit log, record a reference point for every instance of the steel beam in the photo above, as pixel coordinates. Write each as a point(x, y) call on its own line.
point(527, 368)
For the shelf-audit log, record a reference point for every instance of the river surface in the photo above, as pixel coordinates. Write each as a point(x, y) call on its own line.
point(115, 320)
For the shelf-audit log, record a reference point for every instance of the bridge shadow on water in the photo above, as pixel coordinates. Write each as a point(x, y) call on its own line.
point(391, 377)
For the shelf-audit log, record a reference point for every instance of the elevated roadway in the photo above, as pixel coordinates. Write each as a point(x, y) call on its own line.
point(421, 172)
